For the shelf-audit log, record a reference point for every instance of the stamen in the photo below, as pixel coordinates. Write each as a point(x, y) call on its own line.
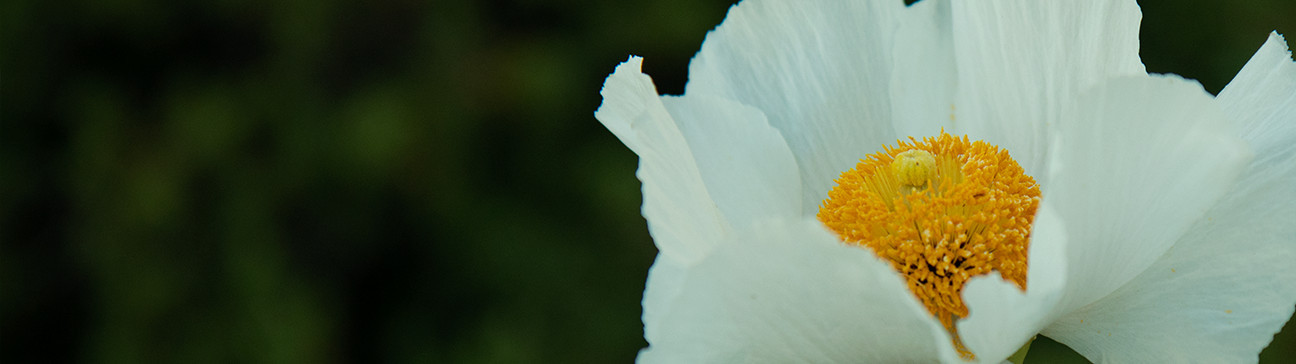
point(942, 211)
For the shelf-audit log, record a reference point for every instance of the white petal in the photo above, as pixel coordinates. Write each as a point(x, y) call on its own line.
point(1019, 62)
point(819, 69)
point(1262, 99)
point(1225, 288)
point(1139, 160)
point(706, 163)
point(923, 83)
point(746, 165)
point(786, 291)
point(682, 218)
point(1217, 296)
point(1000, 317)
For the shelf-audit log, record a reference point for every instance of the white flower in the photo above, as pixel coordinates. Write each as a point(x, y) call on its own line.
point(1164, 231)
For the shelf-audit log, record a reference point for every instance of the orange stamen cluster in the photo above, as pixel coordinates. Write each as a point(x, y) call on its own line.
point(942, 223)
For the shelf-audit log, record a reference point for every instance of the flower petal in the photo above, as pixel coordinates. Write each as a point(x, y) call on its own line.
point(1021, 61)
point(924, 79)
point(746, 165)
point(683, 220)
point(1262, 99)
point(819, 69)
point(706, 163)
point(1225, 288)
point(1140, 159)
point(786, 291)
point(1001, 317)
point(1217, 296)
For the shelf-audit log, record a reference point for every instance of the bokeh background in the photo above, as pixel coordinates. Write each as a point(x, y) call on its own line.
point(319, 181)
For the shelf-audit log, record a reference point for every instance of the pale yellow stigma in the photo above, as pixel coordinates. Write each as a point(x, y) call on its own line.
point(941, 210)
point(914, 167)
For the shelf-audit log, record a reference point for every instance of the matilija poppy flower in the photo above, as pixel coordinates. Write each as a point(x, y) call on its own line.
point(861, 181)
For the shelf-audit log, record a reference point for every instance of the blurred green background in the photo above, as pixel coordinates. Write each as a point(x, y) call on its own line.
point(317, 181)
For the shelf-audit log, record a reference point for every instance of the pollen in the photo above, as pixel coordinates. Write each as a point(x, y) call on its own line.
point(941, 210)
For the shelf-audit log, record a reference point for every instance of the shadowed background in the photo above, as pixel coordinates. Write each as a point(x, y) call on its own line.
point(316, 181)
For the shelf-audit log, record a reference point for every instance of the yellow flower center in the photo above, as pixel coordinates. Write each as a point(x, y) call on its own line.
point(942, 211)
